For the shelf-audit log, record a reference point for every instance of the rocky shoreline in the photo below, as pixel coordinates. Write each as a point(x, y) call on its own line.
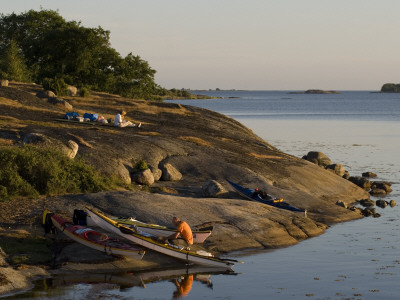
point(187, 149)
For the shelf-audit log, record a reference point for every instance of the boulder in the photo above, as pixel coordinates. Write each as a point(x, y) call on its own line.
point(35, 138)
point(338, 169)
point(369, 211)
point(4, 82)
point(376, 192)
point(383, 185)
point(213, 188)
point(341, 203)
point(156, 173)
point(392, 203)
point(361, 182)
point(41, 140)
point(346, 175)
point(169, 173)
point(121, 172)
point(72, 149)
point(144, 177)
point(46, 94)
point(72, 91)
point(60, 102)
point(318, 158)
point(368, 174)
point(367, 202)
point(381, 203)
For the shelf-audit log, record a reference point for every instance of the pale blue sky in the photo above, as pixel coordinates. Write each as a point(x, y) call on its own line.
point(265, 44)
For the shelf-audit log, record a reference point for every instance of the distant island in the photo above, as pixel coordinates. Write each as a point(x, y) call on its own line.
point(316, 92)
point(390, 88)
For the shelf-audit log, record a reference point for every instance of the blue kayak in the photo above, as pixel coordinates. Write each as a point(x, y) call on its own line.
point(255, 195)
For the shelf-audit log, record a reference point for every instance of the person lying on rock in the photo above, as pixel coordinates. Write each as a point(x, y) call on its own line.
point(182, 230)
point(120, 122)
point(264, 195)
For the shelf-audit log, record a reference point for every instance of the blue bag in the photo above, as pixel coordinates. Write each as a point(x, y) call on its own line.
point(70, 115)
point(91, 117)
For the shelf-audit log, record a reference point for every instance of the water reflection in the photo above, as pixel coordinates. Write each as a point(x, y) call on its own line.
point(95, 285)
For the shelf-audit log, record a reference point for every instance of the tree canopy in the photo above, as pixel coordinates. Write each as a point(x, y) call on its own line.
point(48, 46)
point(390, 88)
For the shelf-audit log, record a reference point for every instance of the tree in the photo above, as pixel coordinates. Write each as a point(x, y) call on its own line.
point(390, 88)
point(135, 78)
point(12, 64)
point(55, 48)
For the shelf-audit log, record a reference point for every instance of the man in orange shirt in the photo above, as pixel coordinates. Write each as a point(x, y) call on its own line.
point(183, 287)
point(182, 230)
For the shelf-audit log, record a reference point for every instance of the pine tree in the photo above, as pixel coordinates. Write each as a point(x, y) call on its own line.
point(12, 64)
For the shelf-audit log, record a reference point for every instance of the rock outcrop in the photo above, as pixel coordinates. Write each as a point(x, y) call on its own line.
point(213, 188)
point(318, 158)
point(190, 145)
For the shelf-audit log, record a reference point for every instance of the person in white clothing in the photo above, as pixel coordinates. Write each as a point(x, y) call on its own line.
point(120, 122)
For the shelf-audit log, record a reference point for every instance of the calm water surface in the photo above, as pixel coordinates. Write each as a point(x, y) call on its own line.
point(353, 260)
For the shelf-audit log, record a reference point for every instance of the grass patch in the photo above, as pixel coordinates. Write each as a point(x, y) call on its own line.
point(195, 140)
point(265, 156)
point(226, 139)
point(6, 142)
point(149, 133)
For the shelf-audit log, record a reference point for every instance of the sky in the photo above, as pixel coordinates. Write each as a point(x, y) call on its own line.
point(252, 44)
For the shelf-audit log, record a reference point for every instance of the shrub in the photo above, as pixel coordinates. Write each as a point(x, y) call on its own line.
point(29, 171)
point(141, 165)
point(84, 92)
point(57, 85)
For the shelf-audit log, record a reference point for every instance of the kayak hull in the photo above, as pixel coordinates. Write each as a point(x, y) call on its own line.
point(249, 194)
point(148, 242)
point(95, 239)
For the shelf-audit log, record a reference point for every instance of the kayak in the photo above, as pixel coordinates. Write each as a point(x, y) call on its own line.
point(252, 194)
point(140, 278)
point(199, 236)
point(150, 242)
point(92, 238)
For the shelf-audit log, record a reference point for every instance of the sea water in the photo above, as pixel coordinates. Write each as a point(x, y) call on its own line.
point(353, 260)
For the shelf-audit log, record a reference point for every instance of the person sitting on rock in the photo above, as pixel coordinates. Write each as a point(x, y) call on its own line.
point(120, 122)
point(183, 230)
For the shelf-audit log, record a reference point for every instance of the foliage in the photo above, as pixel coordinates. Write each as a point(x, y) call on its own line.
point(84, 92)
point(57, 85)
point(12, 64)
point(390, 88)
point(180, 93)
point(55, 48)
point(29, 171)
point(141, 165)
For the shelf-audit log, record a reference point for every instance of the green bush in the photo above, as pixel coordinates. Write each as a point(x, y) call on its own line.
point(56, 85)
point(141, 165)
point(29, 171)
point(84, 92)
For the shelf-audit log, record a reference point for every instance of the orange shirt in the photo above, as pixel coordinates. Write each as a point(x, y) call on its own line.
point(185, 286)
point(186, 233)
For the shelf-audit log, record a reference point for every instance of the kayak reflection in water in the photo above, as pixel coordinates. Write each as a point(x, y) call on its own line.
point(183, 286)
